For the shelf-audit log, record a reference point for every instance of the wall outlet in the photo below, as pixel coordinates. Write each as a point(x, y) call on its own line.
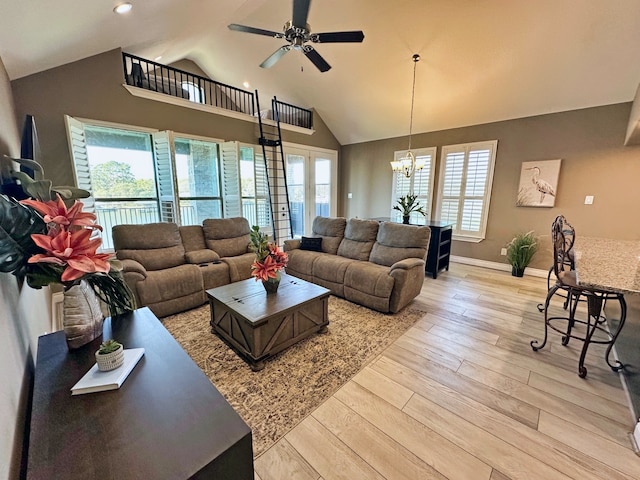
point(349, 195)
point(503, 251)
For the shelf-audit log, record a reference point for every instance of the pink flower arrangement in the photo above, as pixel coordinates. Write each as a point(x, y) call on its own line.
point(51, 243)
point(68, 241)
point(270, 259)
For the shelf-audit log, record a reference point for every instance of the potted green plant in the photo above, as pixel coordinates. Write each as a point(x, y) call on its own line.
point(408, 204)
point(110, 355)
point(520, 251)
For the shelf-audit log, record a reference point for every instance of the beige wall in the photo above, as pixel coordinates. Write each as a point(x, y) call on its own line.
point(594, 162)
point(92, 88)
point(23, 316)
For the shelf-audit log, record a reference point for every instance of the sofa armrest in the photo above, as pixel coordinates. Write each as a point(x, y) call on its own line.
point(408, 275)
point(292, 244)
point(407, 264)
point(131, 266)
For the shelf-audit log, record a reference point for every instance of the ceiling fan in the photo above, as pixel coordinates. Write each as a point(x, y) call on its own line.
point(297, 32)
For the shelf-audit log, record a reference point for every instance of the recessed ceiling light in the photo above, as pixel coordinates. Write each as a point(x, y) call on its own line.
point(123, 8)
point(246, 85)
point(159, 57)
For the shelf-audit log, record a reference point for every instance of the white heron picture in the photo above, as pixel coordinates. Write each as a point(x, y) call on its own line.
point(538, 183)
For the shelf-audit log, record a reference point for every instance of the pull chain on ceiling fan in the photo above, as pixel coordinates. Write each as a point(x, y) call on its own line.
point(297, 32)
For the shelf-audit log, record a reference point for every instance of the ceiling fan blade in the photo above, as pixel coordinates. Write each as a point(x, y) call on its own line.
point(316, 58)
point(355, 36)
point(275, 56)
point(300, 13)
point(257, 31)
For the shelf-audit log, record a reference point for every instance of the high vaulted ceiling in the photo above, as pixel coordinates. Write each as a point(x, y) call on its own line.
point(482, 60)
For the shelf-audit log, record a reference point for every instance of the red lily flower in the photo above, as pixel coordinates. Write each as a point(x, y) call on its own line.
point(57, 212)
point(266, 269)
point(74, 249)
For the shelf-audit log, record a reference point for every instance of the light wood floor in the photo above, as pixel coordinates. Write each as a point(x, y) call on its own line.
point(462, 396)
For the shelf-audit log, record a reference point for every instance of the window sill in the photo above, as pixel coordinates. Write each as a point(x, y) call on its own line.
point(462, 238)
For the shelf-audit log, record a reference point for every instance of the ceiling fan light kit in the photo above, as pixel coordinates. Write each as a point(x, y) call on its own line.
point(298, 32)
point(408, 164)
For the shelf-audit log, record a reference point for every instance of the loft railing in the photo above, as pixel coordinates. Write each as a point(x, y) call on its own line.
point(293, 115)
point(143, 73)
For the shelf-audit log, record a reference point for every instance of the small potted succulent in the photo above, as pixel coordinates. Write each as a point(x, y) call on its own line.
point(520, 251)
point(408, 204)
point(110, 355)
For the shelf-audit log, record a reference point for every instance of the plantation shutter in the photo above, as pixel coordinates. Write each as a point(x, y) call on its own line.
point(231, 192)
point(263, 209)
point(465, 187)
point(420, 184)
point(78, 150)
point(164, 159)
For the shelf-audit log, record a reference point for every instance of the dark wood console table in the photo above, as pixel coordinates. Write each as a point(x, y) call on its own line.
point(439, 247)
point(167, 421)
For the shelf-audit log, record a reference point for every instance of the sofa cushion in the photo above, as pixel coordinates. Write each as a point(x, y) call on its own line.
point(155, 245)
point(369, 278)
point(227, 237)
point(170, 283)
point(330, 268)
point(359, 237)
point(202, 256)
point(313, 244)
point(301, 262)
point(331, 230)
point(192, 237)
point(396, 242)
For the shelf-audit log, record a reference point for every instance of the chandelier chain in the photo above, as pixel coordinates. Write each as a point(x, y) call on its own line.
point(416, 57)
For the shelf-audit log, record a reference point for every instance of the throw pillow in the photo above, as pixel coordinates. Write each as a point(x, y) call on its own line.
point(313, 244)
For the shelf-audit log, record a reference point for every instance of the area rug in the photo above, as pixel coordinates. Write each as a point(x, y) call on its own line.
point(297, 380)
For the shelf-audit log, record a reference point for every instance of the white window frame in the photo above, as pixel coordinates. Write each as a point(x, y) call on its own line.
point(466, 148)
point(426, 201)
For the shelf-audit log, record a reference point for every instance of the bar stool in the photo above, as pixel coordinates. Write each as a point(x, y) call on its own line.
point(566, 280)
point(570, 237)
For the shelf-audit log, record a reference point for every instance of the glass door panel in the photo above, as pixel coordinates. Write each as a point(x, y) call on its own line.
point(296, 182)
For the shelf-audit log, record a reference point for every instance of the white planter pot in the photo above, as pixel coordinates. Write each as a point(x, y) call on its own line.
point(110, 361)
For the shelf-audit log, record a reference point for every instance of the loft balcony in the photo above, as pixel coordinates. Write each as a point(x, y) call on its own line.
point(201, 91)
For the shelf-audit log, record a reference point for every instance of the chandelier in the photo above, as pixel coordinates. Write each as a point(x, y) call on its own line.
point(408, 164)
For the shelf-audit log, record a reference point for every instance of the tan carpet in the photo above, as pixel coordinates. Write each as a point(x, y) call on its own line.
point(296, 381)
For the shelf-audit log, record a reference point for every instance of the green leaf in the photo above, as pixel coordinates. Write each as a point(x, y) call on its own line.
point(17, 223)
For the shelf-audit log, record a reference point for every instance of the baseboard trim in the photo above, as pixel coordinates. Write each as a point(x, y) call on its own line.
point(504, 267)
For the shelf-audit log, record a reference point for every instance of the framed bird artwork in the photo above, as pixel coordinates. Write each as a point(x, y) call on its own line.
point(538, 183)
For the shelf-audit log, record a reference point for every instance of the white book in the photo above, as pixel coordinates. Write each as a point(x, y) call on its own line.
point(97, 381)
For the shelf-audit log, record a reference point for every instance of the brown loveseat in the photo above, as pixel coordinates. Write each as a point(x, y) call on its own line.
point(168, 268)
point(378, 265)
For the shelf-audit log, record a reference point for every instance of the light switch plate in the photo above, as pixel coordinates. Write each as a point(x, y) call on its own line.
point(349, 195)
point(503, 251)
point(588, 200)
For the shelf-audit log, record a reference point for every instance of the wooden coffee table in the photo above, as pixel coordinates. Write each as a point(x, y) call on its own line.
point(258, 325)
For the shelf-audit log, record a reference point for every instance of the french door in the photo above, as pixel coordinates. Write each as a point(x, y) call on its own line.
point(312, 181)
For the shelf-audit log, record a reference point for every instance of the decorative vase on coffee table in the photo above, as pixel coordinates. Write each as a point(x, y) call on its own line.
point(271, 284)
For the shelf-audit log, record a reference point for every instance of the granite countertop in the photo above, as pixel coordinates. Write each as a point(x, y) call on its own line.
point(608, 264)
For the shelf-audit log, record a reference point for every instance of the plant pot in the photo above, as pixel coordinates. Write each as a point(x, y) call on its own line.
point(405, 219)
point(110, 361)
point(517, 272)
point(271, 284)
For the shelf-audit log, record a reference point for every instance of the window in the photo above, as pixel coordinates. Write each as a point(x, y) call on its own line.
point(420, 184)
point(140, 176)
point(198, 180)
point(464, 188)
point(196, 93)
point(122, 176)
point(254, 188)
